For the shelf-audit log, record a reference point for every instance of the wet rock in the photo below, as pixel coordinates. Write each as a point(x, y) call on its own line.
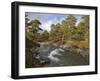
point(44, 61)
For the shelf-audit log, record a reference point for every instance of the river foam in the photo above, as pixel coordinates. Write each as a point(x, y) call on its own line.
point(52, 54)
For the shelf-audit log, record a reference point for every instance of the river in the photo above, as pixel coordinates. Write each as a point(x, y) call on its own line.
point(52, 55)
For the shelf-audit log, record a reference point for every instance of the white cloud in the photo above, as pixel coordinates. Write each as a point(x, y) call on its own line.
point(46, 25)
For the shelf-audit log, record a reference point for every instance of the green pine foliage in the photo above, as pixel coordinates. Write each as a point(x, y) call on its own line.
point(62, 32)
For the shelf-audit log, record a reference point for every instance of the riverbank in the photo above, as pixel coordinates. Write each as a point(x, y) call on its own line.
point(47, 54)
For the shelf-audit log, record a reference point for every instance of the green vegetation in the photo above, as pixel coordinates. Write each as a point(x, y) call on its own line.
point(66, 32)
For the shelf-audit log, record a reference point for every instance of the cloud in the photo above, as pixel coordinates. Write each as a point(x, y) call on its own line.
point(40, 16)
point(47, 25)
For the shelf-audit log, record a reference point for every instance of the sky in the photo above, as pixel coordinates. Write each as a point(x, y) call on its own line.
point(49, 18)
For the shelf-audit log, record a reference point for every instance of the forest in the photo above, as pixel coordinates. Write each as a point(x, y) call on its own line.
point(68, 38)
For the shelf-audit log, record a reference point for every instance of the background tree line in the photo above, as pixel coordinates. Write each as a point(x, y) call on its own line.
point(65, 30)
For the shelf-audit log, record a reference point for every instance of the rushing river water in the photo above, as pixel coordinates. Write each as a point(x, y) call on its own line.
point(52, 55)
